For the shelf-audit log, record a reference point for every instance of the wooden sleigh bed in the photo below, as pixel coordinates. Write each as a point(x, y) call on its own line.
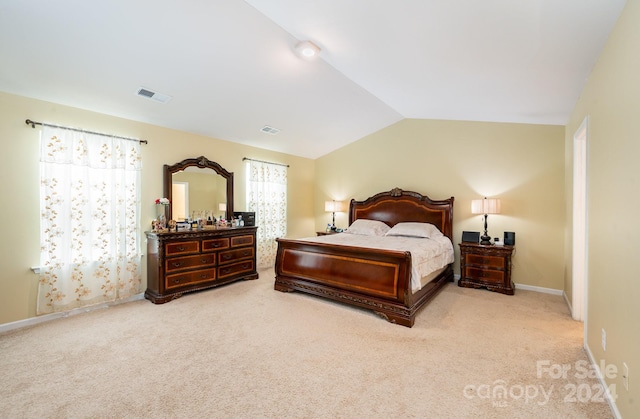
point(374, 279)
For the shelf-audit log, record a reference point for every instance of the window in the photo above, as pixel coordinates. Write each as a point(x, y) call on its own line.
point(267, 197)
point(89, 219)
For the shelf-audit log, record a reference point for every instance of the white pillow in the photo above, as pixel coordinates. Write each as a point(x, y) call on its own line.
point(424, 230)
point(368, 227)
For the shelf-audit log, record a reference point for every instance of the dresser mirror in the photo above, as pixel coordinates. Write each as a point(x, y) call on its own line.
point(198, 187)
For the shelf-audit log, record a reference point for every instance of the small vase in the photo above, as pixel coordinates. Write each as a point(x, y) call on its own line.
point(162, 219)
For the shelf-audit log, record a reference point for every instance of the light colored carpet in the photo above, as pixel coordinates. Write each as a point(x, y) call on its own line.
point(247, 351)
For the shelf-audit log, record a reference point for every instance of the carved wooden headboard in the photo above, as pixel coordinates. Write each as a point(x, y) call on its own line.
point(398, 206)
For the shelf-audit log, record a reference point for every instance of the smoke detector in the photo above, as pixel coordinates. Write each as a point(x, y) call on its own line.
point(150, 94)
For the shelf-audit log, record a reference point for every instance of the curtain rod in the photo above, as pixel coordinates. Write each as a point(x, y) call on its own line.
point(33, 125)
point(262, 161)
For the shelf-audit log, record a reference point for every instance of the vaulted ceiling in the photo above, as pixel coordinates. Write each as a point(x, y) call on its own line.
point(230, 69)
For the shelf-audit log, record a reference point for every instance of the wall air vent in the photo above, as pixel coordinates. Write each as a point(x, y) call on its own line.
point(158, 97)
point(270, 130)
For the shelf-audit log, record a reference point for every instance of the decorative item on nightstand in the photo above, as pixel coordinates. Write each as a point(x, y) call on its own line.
point(333, 207)
point(510, 238)
point(471, 236)
point(485, 206)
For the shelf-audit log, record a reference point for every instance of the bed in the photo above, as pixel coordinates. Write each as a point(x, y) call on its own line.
point(371, 278)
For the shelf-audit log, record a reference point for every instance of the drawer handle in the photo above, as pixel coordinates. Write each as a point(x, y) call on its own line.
point(205, 260)
point(246, 253)
point(245, 266)
point(177, 264)
point(226, 257)
point(176, 280)
point(181, 248)
point(226, 271)
point(204, 276)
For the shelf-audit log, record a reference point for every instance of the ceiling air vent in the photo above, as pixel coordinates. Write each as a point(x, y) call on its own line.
point(145, 93)
point(270, 130)
point(158, 97)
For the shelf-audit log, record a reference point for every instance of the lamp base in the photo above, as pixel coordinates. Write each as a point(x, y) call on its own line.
point(486, 240)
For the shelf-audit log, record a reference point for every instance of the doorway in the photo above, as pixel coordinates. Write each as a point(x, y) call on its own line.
point(180, 200)
point(579, 264)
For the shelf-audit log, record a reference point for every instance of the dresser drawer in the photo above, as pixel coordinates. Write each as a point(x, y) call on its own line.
point(235, 268)
point(485, 260)
point(487, 275)
point(182, 248)
point(190, 278)
point(233, 255)
point(215, 244)
point(187, 262)
point(242, 241)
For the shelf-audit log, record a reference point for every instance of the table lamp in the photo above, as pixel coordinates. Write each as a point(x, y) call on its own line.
point(485, 206)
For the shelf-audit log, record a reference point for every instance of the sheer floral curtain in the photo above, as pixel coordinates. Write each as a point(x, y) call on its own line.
point(267, 197)
point(90, 219)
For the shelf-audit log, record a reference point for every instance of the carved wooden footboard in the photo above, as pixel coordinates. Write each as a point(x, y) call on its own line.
point(375, 279)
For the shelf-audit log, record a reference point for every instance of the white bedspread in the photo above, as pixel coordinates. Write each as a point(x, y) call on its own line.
point(427, 255)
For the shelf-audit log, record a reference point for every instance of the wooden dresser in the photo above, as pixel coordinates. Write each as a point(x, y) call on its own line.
point(186, 261)
point(487, 266)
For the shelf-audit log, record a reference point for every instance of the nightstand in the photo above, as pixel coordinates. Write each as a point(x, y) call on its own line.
point(487, 266)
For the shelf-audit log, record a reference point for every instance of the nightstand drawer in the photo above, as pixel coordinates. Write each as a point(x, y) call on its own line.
point(487, 275)
point(486, 266)
point(485, 260)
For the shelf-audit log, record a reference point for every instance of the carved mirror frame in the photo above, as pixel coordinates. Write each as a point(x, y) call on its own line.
point(203, 163)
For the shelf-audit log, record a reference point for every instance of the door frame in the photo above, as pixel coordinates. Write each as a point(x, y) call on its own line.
point(579, 258)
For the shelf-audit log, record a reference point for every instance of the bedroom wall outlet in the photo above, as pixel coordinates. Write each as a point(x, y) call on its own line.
point(604, 340)
point(625, 375)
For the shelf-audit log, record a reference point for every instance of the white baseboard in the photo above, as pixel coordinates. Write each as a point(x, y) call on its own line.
point(543, 290)
point(603, 383)
point(566, 300)
point(53, 316)
point(539, 289)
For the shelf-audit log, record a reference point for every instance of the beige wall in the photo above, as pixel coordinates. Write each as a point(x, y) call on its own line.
point(19, 248)
point(611, 99)
point(523, 165)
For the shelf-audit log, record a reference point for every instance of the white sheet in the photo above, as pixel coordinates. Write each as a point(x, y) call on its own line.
point(427, 255)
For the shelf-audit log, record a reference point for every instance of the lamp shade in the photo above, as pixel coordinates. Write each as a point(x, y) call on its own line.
point(333, 206)
point(485, 206)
